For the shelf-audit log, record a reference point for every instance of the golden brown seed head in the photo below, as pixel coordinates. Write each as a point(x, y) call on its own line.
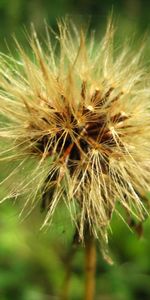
point(81, 119)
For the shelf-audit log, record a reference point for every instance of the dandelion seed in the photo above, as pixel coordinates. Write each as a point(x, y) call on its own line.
point(81, 119)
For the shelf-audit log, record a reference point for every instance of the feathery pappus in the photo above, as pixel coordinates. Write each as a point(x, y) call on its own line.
point(76, 128)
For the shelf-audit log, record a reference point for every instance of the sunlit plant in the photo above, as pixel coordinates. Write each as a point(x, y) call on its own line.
point(81, 113)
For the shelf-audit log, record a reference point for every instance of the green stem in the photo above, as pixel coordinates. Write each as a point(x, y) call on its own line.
point(90, 267)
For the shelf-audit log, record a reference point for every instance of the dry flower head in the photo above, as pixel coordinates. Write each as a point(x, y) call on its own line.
point(82, 118)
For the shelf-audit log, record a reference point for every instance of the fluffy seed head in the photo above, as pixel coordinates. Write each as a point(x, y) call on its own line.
point(77, 123)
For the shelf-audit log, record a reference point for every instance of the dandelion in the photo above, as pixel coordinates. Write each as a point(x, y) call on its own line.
point(76, 122)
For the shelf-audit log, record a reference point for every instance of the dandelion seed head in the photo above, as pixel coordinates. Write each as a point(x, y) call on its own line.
point(80, 117)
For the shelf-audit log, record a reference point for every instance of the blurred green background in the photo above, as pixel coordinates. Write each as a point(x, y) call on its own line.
point(32, 263)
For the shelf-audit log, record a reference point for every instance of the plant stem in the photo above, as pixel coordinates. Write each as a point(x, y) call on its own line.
point(90, 267)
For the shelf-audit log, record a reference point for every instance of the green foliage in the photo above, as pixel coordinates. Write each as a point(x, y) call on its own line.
point(17, 14)
point(32, 263)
